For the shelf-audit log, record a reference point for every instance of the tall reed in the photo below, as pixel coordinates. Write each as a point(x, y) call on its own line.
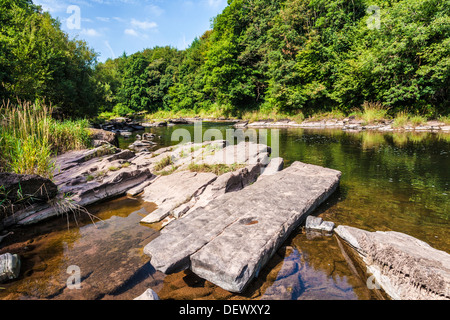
point(30, 138)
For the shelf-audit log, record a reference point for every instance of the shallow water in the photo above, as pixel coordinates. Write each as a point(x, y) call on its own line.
point(390, 181)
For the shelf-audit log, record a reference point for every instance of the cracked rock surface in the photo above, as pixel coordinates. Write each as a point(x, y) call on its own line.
point(405, 267)
point(228, 241)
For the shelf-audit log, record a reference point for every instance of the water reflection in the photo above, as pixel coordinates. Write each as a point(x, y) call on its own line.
point(109, 255)
point(390, 181)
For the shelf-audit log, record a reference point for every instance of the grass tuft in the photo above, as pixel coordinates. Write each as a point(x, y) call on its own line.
point(30, 138)
point(165, 162)
point(217, 169)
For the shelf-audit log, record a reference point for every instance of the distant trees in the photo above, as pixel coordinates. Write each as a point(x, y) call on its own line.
point(293, 56)
point(38, 61)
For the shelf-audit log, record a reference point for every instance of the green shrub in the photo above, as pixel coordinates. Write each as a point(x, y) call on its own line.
point(122, 110)
point(417, 120)
point(163, 163)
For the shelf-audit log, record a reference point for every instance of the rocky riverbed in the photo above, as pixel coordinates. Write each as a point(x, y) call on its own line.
point(180, 182)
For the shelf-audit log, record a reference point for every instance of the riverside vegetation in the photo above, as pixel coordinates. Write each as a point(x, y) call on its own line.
point(272, 59)
point(291, 59)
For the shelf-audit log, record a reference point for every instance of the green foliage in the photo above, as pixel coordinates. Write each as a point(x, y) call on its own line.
point(401, 120)
point(281, 57)
point(38, 61)
point(163, 163)
point(122, 110)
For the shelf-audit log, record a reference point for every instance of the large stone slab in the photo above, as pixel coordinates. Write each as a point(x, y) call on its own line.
point(230, 239)
point(87, 177)
point(183, 191)
point(405, 267)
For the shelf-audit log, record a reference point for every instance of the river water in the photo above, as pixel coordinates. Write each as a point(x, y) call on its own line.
point(390, 181)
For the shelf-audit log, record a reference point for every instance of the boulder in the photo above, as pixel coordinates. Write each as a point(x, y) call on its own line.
point(405, 267)
point(316, 223)
point(98, 135)
point(32, 188)
point(275, 165)
point(9, 267)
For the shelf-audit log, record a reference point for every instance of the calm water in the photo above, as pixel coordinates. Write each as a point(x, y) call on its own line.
point(390, 181)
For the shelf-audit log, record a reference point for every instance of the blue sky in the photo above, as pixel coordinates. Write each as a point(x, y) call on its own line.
point(112, 27)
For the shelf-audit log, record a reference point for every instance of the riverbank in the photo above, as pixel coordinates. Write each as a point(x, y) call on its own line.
point(370, 116)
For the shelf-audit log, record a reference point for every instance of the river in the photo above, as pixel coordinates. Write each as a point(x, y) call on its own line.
point(390, 181)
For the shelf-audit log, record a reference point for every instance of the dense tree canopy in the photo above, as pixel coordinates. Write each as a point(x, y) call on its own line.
point(307, 56)
point(38, 61)
point(285, 56)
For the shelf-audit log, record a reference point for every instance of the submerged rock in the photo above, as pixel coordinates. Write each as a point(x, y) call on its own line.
point(405, 267)
point(316, 223)
point(9, 267)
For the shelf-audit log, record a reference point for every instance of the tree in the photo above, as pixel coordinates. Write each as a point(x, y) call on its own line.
point(38, 61)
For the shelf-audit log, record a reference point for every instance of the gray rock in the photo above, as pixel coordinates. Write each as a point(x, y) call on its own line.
point(9, 267)
point(233, 237)
point(316, 223)
point(405, 267)
point(148, 295)
point(274, 166)
point(18, 187)
point(172, 191)
point(108, 178)
point(123, 155)
point(100, 136)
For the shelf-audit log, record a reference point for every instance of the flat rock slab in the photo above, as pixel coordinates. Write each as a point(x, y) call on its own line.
point(405, 267)
point(228, 241)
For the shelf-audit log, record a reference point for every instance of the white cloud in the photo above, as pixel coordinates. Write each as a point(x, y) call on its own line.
point(131, 32)
point(119, 19)
point(154, 10)
point(215, 3)
point(51, 6)
point(144, 25)
point(90, 33)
